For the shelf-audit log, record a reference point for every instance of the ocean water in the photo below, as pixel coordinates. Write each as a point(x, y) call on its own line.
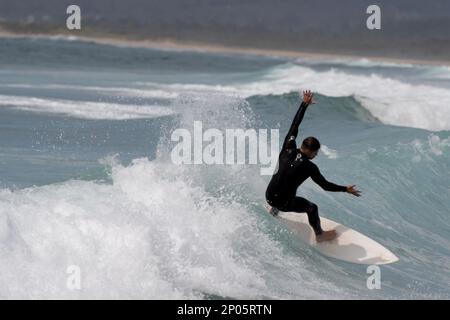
point(86, 176)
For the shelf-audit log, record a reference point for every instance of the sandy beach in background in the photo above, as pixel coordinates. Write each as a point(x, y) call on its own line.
point(193, 46)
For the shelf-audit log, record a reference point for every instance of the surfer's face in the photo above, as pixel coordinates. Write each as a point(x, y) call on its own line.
point(313, 154)
point(309, 153)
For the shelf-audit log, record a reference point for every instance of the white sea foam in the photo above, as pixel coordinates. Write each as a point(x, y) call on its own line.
point(119, 91)
point(151, 234)
point(434, 146)
point(355, 62)
point(330, 153)
point(85, 109)
point(391, 101)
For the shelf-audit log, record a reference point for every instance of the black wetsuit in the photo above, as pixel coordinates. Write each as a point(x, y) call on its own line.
point(293, 169)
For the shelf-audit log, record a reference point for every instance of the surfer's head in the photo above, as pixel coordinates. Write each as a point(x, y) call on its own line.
point(310, 147)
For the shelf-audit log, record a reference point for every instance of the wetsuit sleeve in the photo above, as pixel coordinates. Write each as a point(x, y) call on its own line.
point(324, 183)
point(289, 141)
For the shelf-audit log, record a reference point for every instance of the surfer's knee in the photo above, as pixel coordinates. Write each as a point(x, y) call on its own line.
point(313, 208)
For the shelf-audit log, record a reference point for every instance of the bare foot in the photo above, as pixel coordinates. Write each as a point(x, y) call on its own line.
point(326, 236)
point(273, 211)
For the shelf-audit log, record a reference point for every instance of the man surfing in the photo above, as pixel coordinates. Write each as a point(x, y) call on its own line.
point(294, 167)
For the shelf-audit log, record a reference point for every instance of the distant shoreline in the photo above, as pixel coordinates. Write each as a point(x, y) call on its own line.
point(205, 47)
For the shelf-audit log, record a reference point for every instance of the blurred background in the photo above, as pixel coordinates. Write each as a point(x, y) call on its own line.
point(410, 28)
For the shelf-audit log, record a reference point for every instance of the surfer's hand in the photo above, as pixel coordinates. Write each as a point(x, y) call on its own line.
point(352, 189)
point(308, 97)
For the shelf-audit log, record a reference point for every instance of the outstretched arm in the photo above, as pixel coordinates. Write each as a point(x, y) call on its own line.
point(329, 186)
point(325, 184)
point(289, 141)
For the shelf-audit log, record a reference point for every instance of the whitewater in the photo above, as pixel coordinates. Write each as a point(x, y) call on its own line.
point(87, 180)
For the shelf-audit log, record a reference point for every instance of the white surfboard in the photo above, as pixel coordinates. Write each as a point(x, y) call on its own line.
point(349, 245)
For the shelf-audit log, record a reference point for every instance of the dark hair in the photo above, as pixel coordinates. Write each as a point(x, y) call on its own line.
point(311, 143)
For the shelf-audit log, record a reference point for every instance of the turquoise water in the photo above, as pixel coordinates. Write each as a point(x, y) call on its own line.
point(86, 176)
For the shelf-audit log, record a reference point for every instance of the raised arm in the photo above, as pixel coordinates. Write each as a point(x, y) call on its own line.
point(289, 141)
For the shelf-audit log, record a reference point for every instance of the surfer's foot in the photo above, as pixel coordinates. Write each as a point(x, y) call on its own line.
point(326, 236)
point(273, 211)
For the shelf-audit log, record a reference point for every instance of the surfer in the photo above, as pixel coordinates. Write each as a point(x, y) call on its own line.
point(294, 167)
